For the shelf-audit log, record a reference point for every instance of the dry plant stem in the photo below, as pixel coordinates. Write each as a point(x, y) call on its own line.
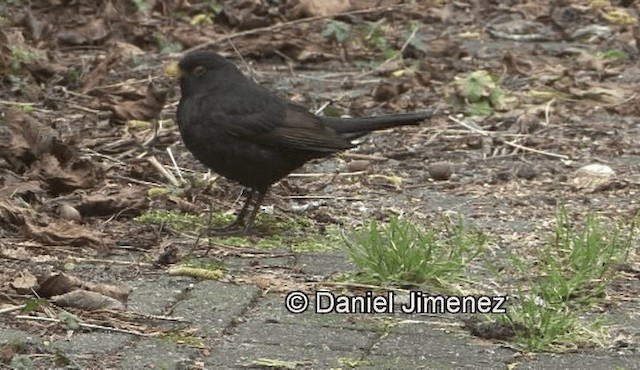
point(12, 103)
point(364, 156)
point(89, 326)
point(510, 143)
point(318, 174)
point(111, 262)
point(157, 317)
point(175, 164)
point(11, 309)
point(292, 23)
point(168, 175)
point(322, 197)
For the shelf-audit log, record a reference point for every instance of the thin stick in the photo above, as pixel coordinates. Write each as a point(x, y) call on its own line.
point(364, 156)
point(278, 26)
point(547, 108)
point(90, 326)
point(510, 143)
point(317, 174)
point(111, 262)
point(156, 317)
point(14, 308)
point(8, 102)
point(168, 175)
point(175, 164)
point(321, 197)
point(322, 107)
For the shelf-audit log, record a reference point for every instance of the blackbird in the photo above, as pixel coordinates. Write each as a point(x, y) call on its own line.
point(248, 134)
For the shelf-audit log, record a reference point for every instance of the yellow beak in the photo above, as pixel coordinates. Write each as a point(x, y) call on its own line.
point(172, 70)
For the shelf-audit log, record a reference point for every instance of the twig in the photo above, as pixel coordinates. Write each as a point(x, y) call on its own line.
point(175, 164)
point(119, 84)
point(168, 175)
point(364, 156)
point(111, 262)
point(317, 174)
point(322, 107)
point(14, 308)
point(8, 102)
point(633, 96)
point(139, 182)
point(278, 26)
point(90, 326)
point(510, 143)
point(320, 197)
point(93, 153)
point(547, 108)
point(81, 108)
point(154, 317)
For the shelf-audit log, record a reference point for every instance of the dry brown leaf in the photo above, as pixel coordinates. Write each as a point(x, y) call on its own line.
point(312, 8)
point(116, 292)
point(124, 50)
point(27, 190)
point(23, 139)
point(62, 232)
point(62, 178)
point(132, 199)
point(34, 149)
point(600, 94)
point(96, 30)
point(15, 253)
point(11, 216)
point(144, 109)
point(24, 283)
point(57, 283)
point(87, 301)
point(98, 73)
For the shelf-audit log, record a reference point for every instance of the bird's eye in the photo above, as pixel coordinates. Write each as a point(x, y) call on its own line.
point(198, 71)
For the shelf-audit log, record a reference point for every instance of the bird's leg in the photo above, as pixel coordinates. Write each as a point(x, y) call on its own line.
point(252, 217)
point(239, 221)
point(236, 226)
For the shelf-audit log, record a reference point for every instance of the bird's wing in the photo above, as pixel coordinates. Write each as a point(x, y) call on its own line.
point(267, 120)
point(301, 129)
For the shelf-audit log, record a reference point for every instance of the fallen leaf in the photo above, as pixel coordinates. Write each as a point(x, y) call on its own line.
point(91, 32)
point(64, 232)
point(24, 283)
point(88, 301)
point(144, 109)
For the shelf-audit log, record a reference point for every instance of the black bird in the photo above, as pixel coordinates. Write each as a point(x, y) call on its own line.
point(246, 133)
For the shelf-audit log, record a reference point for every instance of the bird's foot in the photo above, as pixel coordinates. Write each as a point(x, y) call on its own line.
point(234, 229)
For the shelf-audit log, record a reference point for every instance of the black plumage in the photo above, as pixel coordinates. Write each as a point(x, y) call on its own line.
point(246, 133)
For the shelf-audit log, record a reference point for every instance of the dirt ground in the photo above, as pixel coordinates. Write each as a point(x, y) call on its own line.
point(87, 121)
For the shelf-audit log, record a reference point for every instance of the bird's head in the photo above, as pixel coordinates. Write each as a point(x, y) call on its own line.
point(199, 71)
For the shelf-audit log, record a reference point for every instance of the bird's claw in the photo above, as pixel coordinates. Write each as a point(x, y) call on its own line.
point(234, 229)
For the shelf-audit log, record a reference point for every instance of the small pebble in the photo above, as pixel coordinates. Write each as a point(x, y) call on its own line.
point(440, 171)
point(526, 172)
point(68, 212)
point(358, 165)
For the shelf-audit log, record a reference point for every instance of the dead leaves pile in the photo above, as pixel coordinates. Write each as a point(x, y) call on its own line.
point(69, 291)
point(43, 186)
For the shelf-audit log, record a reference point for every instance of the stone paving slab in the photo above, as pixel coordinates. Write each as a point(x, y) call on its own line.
point(232, 355)
point(212, 306)
point(237, 326)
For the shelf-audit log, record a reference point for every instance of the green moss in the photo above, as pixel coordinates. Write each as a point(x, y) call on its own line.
point(181, 337)
point(173, 220)
point(295, 233)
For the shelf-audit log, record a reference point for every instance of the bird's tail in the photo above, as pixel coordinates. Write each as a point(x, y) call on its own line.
point(356, 127)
